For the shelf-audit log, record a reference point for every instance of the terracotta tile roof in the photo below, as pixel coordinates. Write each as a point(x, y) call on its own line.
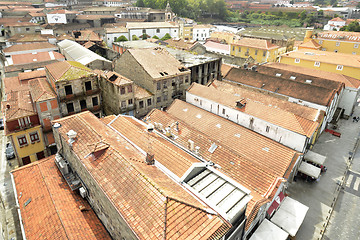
point(40, 90)
point(225, 68)
point(141, 93)
point(12, 84)
point(23, 38)
point(93, 17)
point(37, 14)
point(312, 44)
point(87, 35)
point(88, 44)
point(28, 46)
point(255, 43)
point(68, 70)
point(268, 113)
point(20, 24)
point(180, 44)
point(63, 11)
point(31, 75)
point(108, 119)
point(37, 57)
point(120, 29)
point(325, 57)
point(116, 78)
point(157, 62)
point(20, 105)
point(170, 212)
point(337, 19)
point(30, 66)
point(348, 21)
point(287, 87)
point(203, 26)
point(239, 153)
point(65, 36)
point(340, 36)
point(267, 99)
point(317, 74)
point(49, 209)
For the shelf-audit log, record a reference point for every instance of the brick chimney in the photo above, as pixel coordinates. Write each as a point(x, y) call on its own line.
point(150, 159)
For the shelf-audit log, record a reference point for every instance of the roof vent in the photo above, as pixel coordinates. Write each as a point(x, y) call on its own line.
point(254, 68)
point(8, 106)
point(309, 53)
point(278, 74)
point(150, 127)
point(263, 85)
point(191, 145)
point(57, 125)
point(308, 81)
point(212, 148)
point(197, 150)
point(246, 65)
point(241, 103)
point(72, 135)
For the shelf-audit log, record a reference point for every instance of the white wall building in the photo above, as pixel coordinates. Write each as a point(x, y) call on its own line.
point(111, 34)
point(201, 32)
point(335, 23)
point(56, 18)
point(159, 29)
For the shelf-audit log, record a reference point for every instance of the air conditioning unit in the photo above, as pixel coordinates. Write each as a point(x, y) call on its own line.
point(64, 167)
point(83, 192)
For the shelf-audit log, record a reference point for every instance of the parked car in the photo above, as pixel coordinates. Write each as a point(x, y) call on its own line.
point(1, 123)
point(9, 152)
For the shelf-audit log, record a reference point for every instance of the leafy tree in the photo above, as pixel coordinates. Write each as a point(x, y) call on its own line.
point(121, 39)
point(302, 15)
point(140, 3)
point(352, 27)
point(134, 38)
point(155, 37)
point(166, 37)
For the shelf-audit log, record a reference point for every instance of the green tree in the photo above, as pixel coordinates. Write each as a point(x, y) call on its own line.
point(155, 37)
point(166, 37)
point(134, 38)
point(302, 15)
point(121, 39)
point(140, 3)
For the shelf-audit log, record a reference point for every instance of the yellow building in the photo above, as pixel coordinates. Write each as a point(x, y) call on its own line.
point(345, 64)
point(225, 37)
point(333, 41)
point(22, 127)
point(260, 50)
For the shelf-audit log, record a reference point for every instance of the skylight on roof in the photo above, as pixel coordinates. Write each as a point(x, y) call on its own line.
point(237, 135)
point(218, 125)
point(278, 74)
point(185, 109)
point(292, 77)
point(198, 116)
point(212, 148)
point(266, 149)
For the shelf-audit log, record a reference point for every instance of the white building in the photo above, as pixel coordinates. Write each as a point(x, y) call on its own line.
point(56, 17)
point(201, 32)
point(284, 127)
point(335, 23)
point(111, 34)
point(217, 47)
point(159, 29)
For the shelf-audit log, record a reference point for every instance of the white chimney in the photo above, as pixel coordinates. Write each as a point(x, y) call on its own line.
point(197, 150)
point(191, 145)
point(72, 135)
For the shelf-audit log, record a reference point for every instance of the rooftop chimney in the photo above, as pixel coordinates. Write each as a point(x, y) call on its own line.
point(8, 106)
point(150, 159)
point(72, 135)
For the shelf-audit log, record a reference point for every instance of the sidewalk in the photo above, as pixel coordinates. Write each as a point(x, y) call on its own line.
point(321, 196)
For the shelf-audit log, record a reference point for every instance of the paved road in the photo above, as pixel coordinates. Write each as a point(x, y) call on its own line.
point(344, 222)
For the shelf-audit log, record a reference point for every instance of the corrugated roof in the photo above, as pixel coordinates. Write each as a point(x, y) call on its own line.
point(268, 113)
point(169, 211)
point(78, 53)
point(49, 209)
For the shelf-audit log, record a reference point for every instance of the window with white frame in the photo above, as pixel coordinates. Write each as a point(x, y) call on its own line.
point(337, 44)
point(320, 41)
point(356, 45)
point(297, 60)
point(317, 64)
point(22, 140)
point(339, 67)
point(23, 122)
point(34, 137)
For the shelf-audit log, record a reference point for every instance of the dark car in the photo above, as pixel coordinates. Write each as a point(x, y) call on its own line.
point(1, 124)
point(9, 152)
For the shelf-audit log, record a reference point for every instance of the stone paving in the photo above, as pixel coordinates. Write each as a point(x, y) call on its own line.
point(321, 196)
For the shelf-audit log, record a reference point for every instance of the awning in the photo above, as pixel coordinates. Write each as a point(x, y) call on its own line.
point(276, 203)
point(309, 170)
point(290, 215)
point(268, 230)
point(314, 157)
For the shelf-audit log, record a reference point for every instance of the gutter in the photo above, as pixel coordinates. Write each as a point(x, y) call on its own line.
point(18, 207)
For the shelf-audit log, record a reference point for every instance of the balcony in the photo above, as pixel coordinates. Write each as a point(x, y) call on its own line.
point(79, 94)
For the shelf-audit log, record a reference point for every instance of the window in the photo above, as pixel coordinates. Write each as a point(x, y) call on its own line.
point(129, 89)
point(158, 86)
point(186, 79)
point(165, 84)
point(317, 64)
point(165, 98)
point(223, 111)
point(88, 85)
point(27, 29)
point(297, 60)
point(336, 51)
point(22, 141)
point(23, 122)
point(158, 99)
point(233, 48)
point(83, 104)
point(95, 101)
point(239, 49)
point(173, 83)
point(256, 52)
point(130, 102)
point(122, 90)
point(267, 128)
point(337, 44)
point(141, 104)
point(264, 53)
point(34, 137)
point(68, 90)
point(123, 104)
point(70, 107)
point(149, 102)
point(144, 31)
point(114, 39)
point(339, 67)
point(320, 41)
point(356, 45)
point(157, 30)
